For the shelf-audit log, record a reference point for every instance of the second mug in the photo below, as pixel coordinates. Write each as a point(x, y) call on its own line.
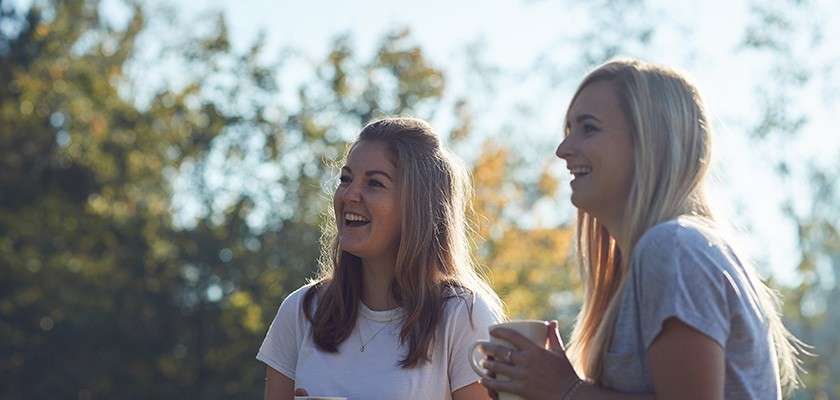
point(535, 330)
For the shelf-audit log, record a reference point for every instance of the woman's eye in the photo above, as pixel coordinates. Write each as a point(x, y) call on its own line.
point(589, 129)
point(375, 183)
point(344, 179)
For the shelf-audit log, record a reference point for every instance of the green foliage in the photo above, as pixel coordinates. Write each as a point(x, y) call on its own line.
point(786, 34)
point(102, 294)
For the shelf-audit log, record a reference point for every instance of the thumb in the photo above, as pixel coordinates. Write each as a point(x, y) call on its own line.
point(301, 392)
point(555, 343)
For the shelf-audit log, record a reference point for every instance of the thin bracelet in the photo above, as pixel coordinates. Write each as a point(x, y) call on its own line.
point(575, 386)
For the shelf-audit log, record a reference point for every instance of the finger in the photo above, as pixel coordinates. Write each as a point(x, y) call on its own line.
point(301, 392)
point(501, 386)
point(514, 337)
point(508, 370)
point(555, 342)
point(495, 351)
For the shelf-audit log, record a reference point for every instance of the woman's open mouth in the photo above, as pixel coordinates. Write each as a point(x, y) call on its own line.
point(354, 220)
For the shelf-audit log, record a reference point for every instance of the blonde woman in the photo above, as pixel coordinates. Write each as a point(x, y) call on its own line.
point(671, 311)
point(398, 301)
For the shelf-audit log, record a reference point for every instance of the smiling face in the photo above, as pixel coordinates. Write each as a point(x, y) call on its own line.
point(598, 151)
point(367, 202)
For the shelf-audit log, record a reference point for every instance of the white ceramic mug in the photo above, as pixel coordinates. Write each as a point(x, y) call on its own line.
point(535, 330)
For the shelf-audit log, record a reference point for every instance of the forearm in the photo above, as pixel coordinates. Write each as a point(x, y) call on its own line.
point(278, 386)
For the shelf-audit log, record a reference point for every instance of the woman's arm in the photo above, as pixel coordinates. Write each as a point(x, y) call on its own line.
point(278, 386)
point(281, 346)
point(473, 391)
point(684, 364)
point(466, 324)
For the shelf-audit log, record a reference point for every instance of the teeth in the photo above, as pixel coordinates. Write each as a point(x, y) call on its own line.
point(355, 217)
point(580, 170)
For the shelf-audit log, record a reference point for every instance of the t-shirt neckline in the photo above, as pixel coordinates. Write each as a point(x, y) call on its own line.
point(379, 316)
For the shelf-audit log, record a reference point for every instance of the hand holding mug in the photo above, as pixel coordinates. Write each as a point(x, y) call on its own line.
point(526, 366)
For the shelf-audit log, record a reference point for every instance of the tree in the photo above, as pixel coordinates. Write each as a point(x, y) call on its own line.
point(97, 300)
point(104, 293)
point(791, 38)
point(530, 267)
point(149, 230)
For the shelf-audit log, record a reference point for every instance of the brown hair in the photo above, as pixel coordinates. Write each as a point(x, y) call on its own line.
point(434, 262)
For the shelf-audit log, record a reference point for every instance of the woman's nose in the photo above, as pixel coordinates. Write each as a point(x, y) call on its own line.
point(564, 149)
point(353, 192)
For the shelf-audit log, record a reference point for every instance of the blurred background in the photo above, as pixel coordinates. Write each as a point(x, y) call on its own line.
point(164, 165)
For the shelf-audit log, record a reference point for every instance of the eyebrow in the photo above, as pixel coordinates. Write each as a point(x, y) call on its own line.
point(584, 117)
point(370, 173)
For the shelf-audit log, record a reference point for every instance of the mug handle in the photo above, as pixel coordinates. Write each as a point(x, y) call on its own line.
point(474, 364)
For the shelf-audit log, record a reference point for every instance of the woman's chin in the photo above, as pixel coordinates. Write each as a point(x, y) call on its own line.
point(580, 202)
point(353, 251)
point(577, 201)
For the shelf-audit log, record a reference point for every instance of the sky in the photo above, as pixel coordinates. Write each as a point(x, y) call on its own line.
point(519, 37)
point(698, 37)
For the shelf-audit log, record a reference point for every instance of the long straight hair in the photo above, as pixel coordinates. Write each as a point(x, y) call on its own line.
point(672, 150)
point(434, 260)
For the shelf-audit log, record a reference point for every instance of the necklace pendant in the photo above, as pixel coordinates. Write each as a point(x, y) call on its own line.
point(362, 349)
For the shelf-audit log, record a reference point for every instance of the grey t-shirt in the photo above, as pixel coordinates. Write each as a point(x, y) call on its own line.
point(681, 269)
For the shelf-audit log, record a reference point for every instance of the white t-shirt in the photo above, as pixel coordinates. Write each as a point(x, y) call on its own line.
point(375, 373)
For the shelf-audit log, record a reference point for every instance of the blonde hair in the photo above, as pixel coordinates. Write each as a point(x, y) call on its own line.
point(434, 261)
point(672, 150)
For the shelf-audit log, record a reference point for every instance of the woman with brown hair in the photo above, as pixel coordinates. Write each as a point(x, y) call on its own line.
point(398, 301)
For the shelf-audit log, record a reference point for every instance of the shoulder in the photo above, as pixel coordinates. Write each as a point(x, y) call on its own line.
point(294, 301)
point(680, 236)
point(463, 305)
point(685, 268)
point(682, 248)
point(680, 233)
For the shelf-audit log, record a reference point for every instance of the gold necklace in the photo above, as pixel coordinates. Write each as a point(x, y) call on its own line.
point(362, 340)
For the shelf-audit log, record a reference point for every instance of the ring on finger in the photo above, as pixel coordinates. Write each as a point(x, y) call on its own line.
point(506, 358)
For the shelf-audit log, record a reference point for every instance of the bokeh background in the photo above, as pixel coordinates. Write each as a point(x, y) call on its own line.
point(164, 166)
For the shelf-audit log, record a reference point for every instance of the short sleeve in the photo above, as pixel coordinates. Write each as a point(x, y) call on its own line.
point(679, 273)
point(461, 334)
point(279, 349)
